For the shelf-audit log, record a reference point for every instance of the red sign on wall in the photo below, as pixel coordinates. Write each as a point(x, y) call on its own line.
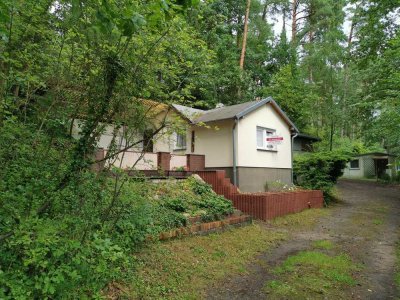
point(274, 139)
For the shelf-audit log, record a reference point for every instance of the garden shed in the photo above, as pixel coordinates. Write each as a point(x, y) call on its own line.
point(371, 165)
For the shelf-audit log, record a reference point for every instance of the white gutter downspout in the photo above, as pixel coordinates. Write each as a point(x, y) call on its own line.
point(234, 152)
point(292, 155)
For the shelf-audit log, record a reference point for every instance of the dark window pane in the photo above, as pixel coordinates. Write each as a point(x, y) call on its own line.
point(355, 164)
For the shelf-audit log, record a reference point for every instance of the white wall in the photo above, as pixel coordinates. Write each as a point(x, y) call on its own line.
point(354, 173)
point(248, 154)
point(215, 142)
point(106, 137)
point(164, 141)
point(128, 159)
point(177, 161)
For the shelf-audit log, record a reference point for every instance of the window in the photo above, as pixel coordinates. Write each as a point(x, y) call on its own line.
point(355, 164)
point(180, 142)
point(262, 134)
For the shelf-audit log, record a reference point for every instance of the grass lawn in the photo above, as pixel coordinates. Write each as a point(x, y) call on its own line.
point(313, 274)
point(184, 268)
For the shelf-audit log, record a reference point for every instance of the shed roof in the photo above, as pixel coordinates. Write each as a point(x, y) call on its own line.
point(374, 154)
point(308, 137)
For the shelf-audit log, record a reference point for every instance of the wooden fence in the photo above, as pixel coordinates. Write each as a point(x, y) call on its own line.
point(263, 206)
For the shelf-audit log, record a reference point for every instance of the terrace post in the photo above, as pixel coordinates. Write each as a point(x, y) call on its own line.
point(163, 161)
point(195, 162)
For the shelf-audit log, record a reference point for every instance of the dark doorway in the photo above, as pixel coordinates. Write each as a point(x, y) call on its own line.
point(380, 167)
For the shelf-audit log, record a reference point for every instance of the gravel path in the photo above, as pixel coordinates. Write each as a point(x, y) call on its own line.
point(365, 226)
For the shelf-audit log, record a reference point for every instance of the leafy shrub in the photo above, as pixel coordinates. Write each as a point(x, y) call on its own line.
point(397, 177)
point(180, 169)
point(176, 204)
point(165, 219)
point(200, 188)
point(319, 170)
point(216, 207)
point(385, 177)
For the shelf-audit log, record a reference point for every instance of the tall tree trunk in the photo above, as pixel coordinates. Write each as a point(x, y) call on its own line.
point(265, 10)
point(295, 5)
point(310, 70)
point(246, 19)
point(345, 129)
point(284, 21)
point(332, 133)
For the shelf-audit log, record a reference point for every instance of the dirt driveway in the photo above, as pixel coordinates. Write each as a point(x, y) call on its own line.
point(365, 226)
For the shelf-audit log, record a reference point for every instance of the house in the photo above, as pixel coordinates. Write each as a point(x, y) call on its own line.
point(240, 140)
point(251, 141)
point(371, 165)
point(304, 143)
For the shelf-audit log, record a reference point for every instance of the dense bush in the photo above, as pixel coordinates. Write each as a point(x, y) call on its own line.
point(320, 170)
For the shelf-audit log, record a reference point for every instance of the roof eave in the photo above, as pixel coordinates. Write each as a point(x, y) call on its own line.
point(309, 137)
point(216, 120)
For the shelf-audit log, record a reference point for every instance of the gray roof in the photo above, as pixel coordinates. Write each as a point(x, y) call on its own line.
point(190, 113)
point(225, 112)
point(229, 112)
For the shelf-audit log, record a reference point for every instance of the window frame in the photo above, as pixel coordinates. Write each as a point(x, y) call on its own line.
point(264, 131)
point(354, 168)
point(183, 139)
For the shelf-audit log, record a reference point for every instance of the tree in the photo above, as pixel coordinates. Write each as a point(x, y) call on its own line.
point(246, 20)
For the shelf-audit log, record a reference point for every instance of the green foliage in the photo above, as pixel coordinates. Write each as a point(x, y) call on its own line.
point(397, 177)
point(348, 145)
point(320, 170)
point(215, 206)
point(201, 188)
point(292, 94)
point(176, 204)
point(53, 239)
point(166, 217)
